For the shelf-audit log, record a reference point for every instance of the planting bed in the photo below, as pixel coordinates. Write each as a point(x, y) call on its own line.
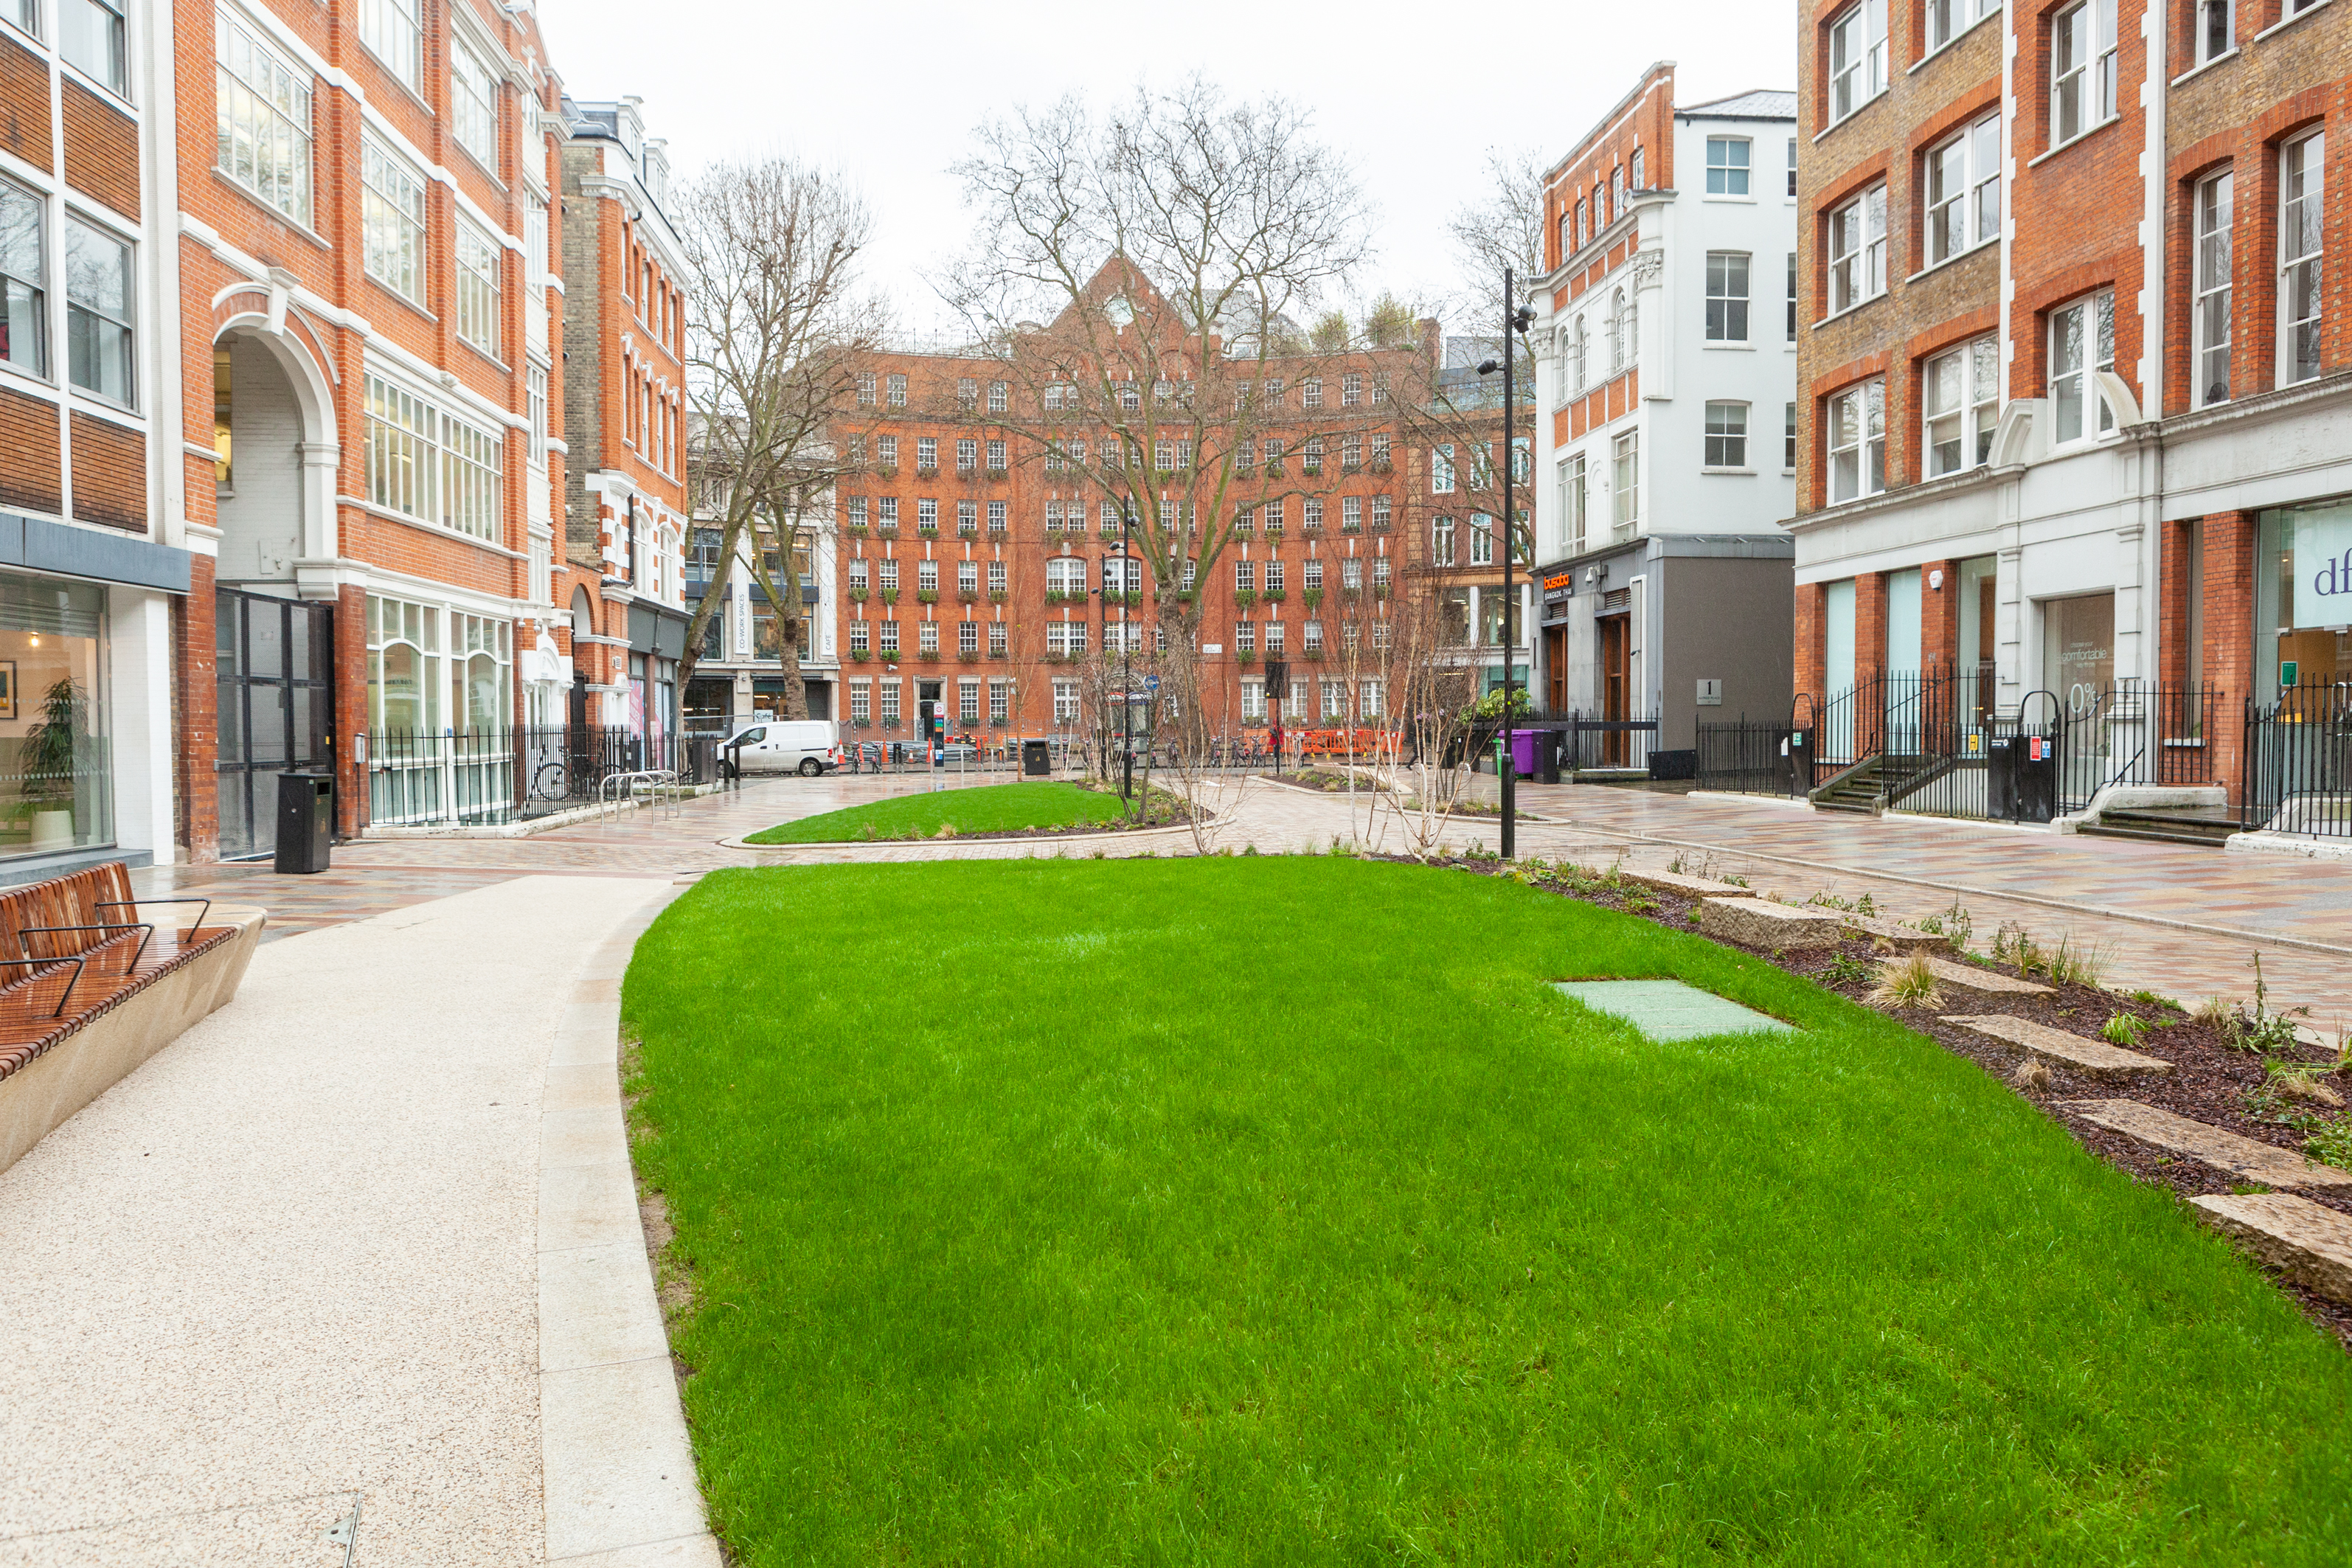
point(1028, 810)
point(2211, 1081)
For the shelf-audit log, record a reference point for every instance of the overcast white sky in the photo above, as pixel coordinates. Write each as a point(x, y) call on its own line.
point(890, 94)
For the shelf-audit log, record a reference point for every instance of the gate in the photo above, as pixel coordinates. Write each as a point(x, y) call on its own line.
point(274, 662)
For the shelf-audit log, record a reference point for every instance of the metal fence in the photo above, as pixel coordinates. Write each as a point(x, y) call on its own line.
point(1930, 741)
point(2298, 763)
point(470, 778)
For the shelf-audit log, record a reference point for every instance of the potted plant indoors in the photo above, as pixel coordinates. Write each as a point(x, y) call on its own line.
point(47, 758)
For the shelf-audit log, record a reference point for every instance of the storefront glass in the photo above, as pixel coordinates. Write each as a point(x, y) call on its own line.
point(2302, 614)
point(2078, 649)
point(56, 760)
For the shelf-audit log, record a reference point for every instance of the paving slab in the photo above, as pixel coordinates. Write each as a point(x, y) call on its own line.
point(1969, 977)
point(2096, 1057)
point(2263, 1162)
point(1760, 922)
point(295, 1257)
point(1670, 1010)
point(2311, 1245)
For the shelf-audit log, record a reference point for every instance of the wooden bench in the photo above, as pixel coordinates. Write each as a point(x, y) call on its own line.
point(82, 965)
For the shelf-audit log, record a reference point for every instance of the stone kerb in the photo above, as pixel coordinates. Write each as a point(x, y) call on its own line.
point(1760, 922)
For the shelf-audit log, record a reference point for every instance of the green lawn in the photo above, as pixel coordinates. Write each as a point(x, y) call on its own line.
point(1274, 1211)
point(991, 808)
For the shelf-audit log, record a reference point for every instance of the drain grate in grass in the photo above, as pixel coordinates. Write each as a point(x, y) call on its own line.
point(1670, 1010)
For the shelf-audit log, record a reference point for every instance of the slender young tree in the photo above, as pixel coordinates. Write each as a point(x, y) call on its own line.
point(777, 327)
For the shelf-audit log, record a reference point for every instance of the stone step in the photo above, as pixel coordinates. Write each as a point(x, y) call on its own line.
point(1760, 923)
point(1688, 887)
point(1968, 977)
point(2096, 1057)
point(2263, 1162)
point(1905, 939)
point(2151, 835)
point(2310, 1245)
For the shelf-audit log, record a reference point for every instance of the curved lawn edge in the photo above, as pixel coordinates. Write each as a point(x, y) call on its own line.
point(1018, 808)
point(1179, 832)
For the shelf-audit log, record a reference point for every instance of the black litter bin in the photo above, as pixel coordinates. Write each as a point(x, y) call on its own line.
point(1036, 760)
point(306, 822)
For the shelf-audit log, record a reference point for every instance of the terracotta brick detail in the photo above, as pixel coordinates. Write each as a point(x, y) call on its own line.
point(1940, 613)
point(1812, 656)
point(351, 708)
point(30, 466)
point(110, 474)
point(2231, 542)
point(102, 150)
point(197, 701)
point(25, 103)
point(1869, 623)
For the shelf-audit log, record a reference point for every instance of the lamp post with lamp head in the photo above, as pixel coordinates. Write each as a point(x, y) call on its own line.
point(1517, 319)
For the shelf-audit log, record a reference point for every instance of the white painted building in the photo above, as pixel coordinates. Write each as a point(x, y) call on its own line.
point(1665, 461)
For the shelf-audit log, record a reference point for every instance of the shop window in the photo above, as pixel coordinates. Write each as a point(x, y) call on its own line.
point(54, 717)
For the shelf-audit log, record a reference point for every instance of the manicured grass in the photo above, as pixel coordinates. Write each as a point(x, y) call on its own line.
point(1275, 1210)
point(991, 808)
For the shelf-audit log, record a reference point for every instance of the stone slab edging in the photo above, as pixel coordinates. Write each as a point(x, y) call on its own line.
point(890, 848)
point(2312, 1245)
point(617, 1467)
point(2292, 844)
point(2236, 933)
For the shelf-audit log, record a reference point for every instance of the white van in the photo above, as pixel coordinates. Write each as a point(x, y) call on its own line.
point(803, 746)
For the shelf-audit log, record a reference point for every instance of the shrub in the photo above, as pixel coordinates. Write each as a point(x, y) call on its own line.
point(1906, 982)
point(2122, 1029)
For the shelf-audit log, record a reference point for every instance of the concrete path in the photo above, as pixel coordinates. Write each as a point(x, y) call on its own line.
point(290, 1272)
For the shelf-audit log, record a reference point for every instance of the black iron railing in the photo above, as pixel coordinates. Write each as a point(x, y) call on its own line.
point(2298, 763)
point(419, 778)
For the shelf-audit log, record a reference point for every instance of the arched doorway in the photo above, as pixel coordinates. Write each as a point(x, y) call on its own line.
point(274, 652)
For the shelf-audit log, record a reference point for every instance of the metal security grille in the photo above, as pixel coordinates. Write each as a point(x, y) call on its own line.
point(274, 665)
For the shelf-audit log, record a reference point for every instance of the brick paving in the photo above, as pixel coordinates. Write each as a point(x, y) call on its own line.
point(2180, 921)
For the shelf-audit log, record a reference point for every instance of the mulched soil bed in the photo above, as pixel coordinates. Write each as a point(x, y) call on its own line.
point(2210, 1081)
point(1316, 782)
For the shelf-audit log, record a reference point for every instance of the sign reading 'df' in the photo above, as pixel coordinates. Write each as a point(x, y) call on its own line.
point(2322, 567)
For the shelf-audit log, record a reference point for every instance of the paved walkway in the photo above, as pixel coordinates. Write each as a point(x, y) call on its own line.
point(2178, 921)
point(292, 1265)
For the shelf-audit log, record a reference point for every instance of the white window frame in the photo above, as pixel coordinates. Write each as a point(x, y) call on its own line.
point(1959, 403)
point(2213, 30)
point(1728, 274)
point(1625, 484)
point(1964, 191)
point(1725, 449)
point(479, 259)
point(1858, 250)
point(1730, 168)
point(394, 33)
point(1482, 540)
point(263, 117)
point(2212, 210)
point(1949, 19)
point(2081, 81)
point(1857, 441)
point(2303, 199)
point(392, 220)
point(112, 323)
point(92, 38)
point(474, 102)
point(25, 284)
point(1857, 59)
point(1441, 470)
point(425, 462)
point(1569, 479)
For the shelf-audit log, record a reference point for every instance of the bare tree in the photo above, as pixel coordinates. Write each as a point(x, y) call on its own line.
point(1136, 281)
point(776, 329)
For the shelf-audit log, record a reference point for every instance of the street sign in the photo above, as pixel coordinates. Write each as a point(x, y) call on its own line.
point(1151, 683)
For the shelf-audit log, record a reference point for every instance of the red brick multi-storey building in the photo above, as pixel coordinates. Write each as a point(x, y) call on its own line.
point(625, 425)
point(366, 218)
point(2075, 408)
point(95, 570)
point(979, 552)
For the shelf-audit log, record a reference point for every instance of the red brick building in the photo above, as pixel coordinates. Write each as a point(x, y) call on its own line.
point(2075, 408)
point(367, 221)
point(622, 572)
point(979, 562)
point(95, 565)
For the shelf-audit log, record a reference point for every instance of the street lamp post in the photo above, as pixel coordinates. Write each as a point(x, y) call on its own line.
point(1126, 658)
point(1517, 318)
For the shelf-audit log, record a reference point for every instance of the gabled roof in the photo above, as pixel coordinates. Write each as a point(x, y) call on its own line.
point(1756, 103)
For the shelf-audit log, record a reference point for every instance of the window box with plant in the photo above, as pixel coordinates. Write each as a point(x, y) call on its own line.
point(926, 530)
point(927, 596)
point(890, 596)
point(1056, 597)
point(886, 470)
point(1311, 597)
point(859, 655)
point(929, 656)
point(1276, 596)
point(857, 593)
point(968, 527)
point(923, 471)
point(998, 475)
point(1245, 597)
point(968, 596)
point(888, 525)
point(1245, 657)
